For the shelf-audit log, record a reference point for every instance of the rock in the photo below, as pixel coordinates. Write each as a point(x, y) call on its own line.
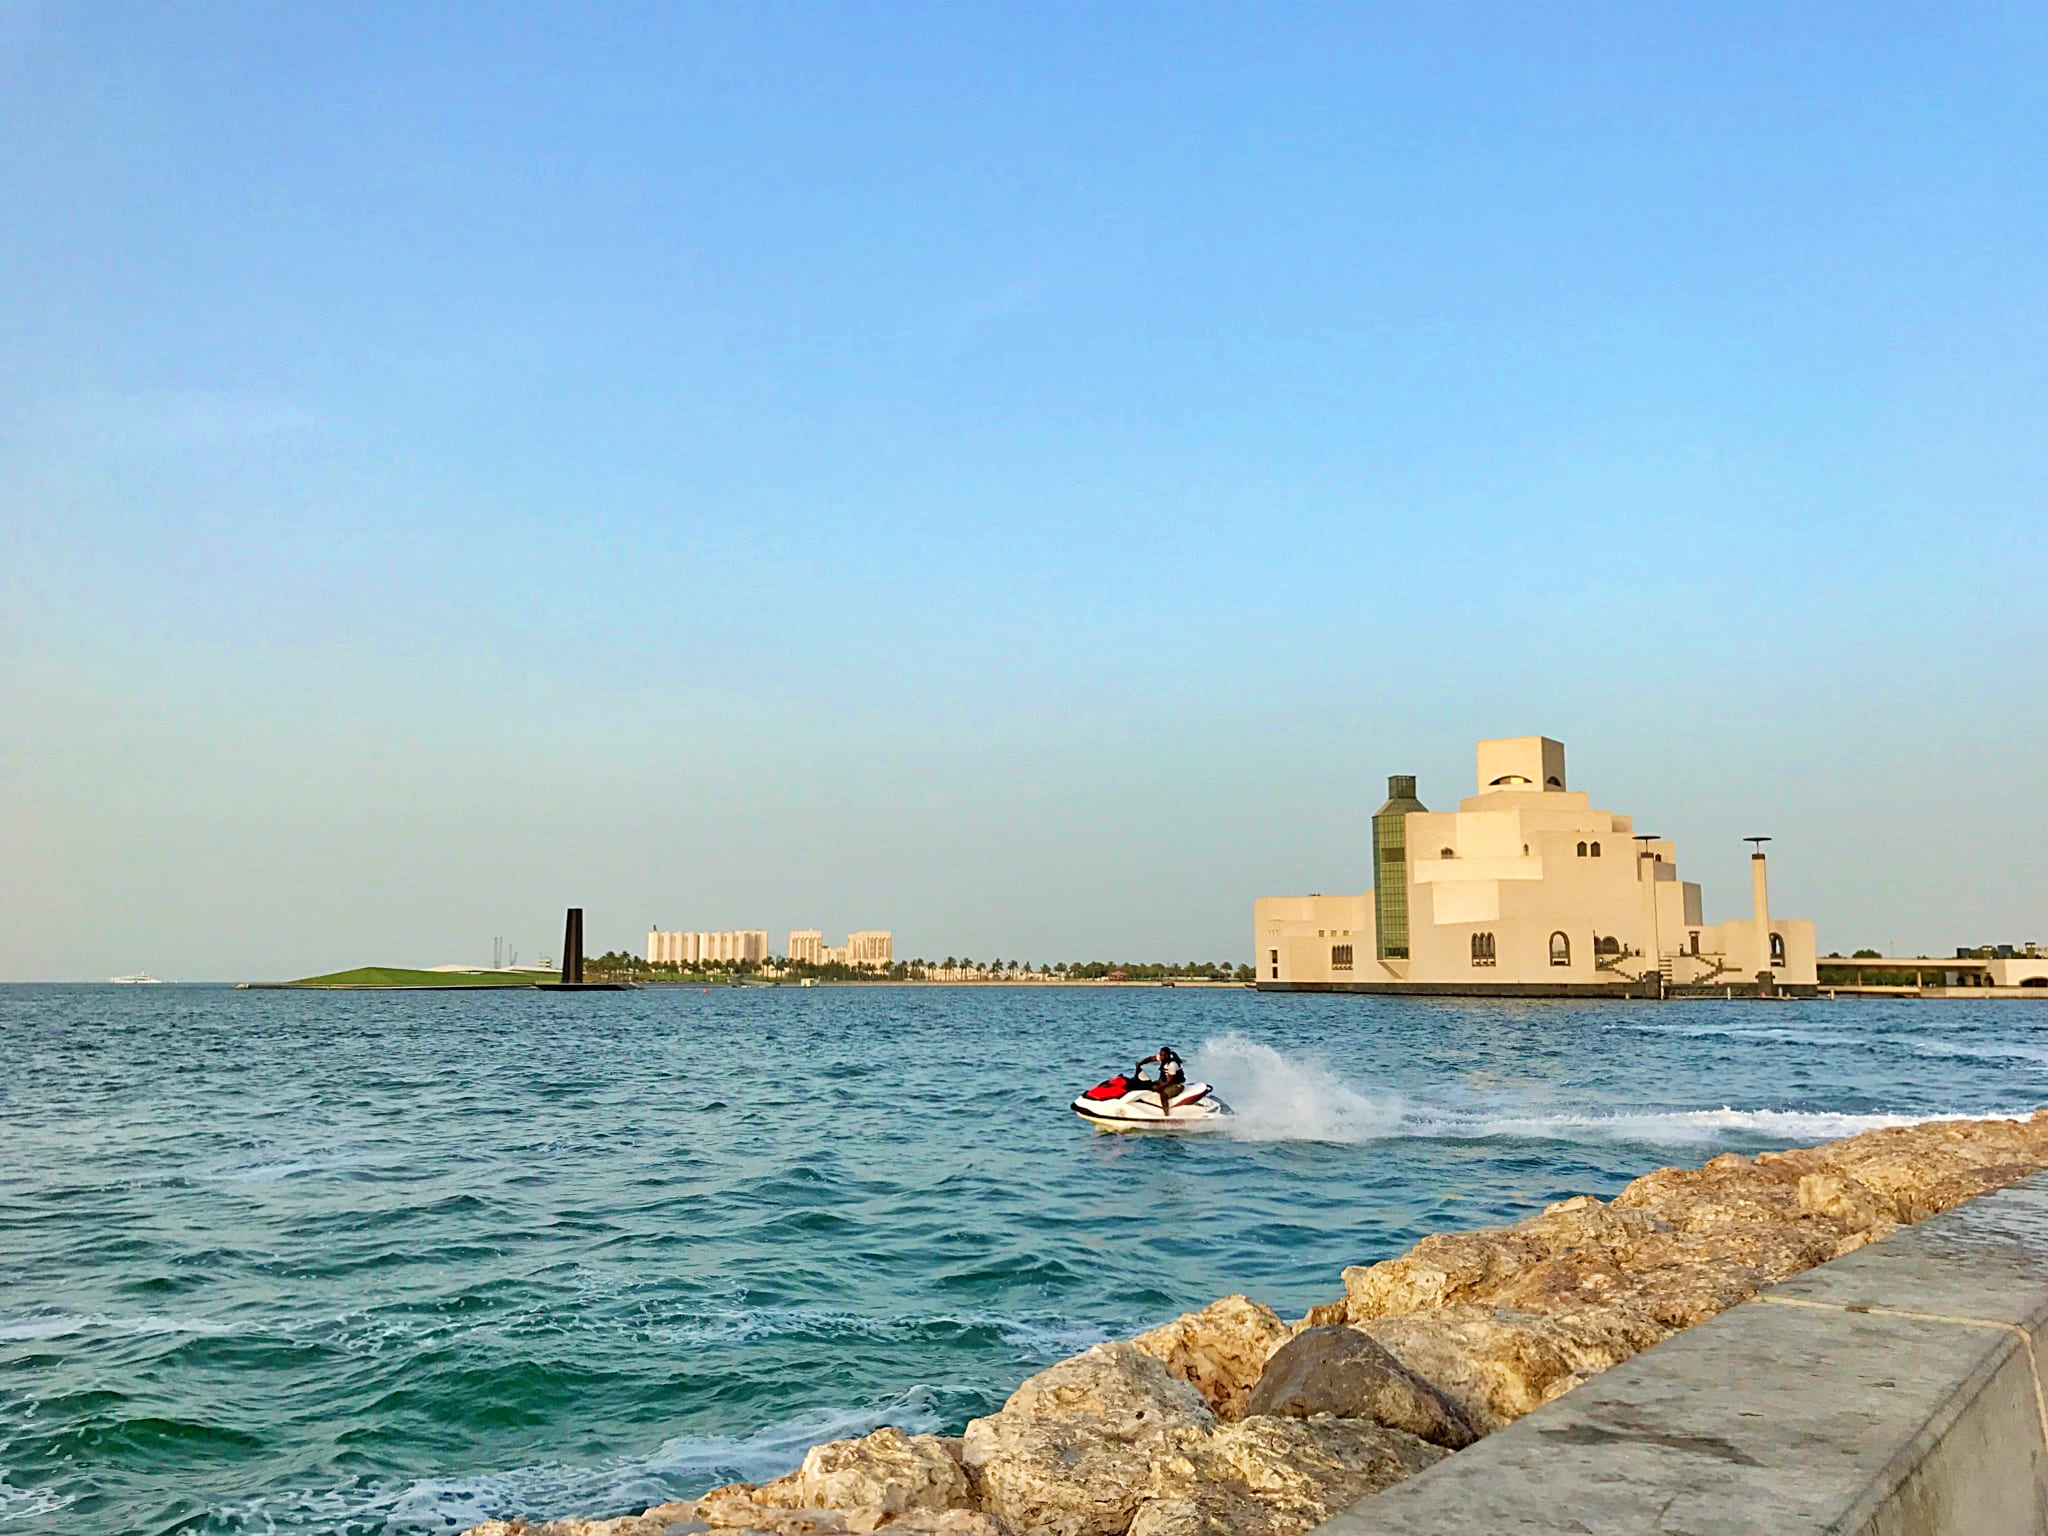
point(1454, 1267)
point(886, 1471)
point(1071, 1452)
point(1323, 1314)
point(1847, 1199)
point(1338, 1370)
point(740, 1507)
point(1308, 1469)
point(1919, 1170)
point(1205, 1509)
point(1219, 1351)
point(661, 1520)
point(950, 1522)
point(1278, 1477)
point(1497, 1363)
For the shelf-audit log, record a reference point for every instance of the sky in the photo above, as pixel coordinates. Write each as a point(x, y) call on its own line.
point(1018, 475)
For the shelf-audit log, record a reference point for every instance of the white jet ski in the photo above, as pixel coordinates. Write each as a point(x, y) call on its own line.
point(1127, 1103)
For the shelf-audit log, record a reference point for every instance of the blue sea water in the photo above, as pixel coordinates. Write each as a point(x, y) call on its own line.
point(394, 1263)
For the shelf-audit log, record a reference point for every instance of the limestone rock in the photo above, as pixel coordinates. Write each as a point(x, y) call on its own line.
point(1204, 1509)
point(1071, 1452)
point(661, 1520)
point(1454, 1267)
point(1341, 1371)
point(1924, 1169)
point(1278, 1477)
point(1323, 1314)
point(1219, 1351)
point(1497, 1363)
point(950, 1522)
point(741, 1507)
point(1847, 1199)
point(887, 1471)
point(1308, 1469)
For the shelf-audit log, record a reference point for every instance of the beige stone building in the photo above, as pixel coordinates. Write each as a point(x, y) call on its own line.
point(806, 947)
point(1524, 890)
point(702, 948)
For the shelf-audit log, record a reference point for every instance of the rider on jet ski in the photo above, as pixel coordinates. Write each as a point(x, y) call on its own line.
point(1171, 1077)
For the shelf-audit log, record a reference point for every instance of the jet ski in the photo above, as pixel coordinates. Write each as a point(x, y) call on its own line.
point(1126, 1103)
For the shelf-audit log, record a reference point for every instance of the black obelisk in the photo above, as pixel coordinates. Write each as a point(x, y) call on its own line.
point(572, 949)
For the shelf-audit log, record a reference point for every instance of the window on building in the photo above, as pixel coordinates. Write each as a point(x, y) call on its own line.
point(1340, 957)
point(1447, 853)
point(1777, 949)
point(1596, 850)
point(1482, 949)
point(1609, 945)
point(1275, 963)
point(1695, 941)
point(1582, 850)
point(1560, 949)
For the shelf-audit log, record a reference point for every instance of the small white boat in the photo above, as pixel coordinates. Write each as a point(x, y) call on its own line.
point(139, 979)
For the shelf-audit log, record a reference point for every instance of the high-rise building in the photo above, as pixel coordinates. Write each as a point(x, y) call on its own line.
point(871, 947)
point(688, 948)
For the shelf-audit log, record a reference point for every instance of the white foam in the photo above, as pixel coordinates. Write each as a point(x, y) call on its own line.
point(1282, 1098)
point(1666, 1127)
point(61, 1325)
point(25, 1504)
point(1034, 1338)
point(681, 1467)
point(1275, 1098)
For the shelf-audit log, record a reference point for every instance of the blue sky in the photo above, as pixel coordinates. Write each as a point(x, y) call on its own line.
point(1018, 475)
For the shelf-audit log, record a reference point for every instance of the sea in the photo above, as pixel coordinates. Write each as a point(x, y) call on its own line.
point(398, 1262)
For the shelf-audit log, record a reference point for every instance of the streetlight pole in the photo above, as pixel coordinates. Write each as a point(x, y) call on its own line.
point(1656, 937)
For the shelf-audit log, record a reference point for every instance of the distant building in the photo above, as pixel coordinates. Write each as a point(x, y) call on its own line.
point(1524, 890)
point(701, 948)
point(872, 947)
point(869, 949)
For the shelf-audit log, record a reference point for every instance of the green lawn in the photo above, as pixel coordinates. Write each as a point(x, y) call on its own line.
point(393, 976)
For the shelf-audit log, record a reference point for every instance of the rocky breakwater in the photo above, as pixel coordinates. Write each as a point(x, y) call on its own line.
point(1231, 1420)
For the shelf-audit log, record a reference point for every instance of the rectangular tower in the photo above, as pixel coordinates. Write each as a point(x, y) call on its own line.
point(1390, 866)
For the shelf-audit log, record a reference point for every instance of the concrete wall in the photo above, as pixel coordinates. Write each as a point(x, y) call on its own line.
point(1895, 1392)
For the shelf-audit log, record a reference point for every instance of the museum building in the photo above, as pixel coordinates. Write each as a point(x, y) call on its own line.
point(1525, 890)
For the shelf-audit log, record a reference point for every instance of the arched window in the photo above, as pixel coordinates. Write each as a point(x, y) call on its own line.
point(1482, 949)
point(1582, 849)
point(1596, 850)
point(1447, 853)
point(1777, 949)
point(1560, 949)
point(1607, 945)
point(1553, 782)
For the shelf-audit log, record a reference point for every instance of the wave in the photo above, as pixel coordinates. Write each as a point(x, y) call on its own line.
point(25, 1504)
point(2033, 1055)
point(681, 1467)
point(1032, 1338)
point(1281, 1098)
point(59, 1325)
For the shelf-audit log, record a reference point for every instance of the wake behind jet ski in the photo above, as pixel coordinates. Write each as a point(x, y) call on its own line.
point(1169, 1102)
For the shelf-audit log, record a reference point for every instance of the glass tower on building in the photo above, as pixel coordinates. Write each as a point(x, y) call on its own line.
point(1390, 866)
